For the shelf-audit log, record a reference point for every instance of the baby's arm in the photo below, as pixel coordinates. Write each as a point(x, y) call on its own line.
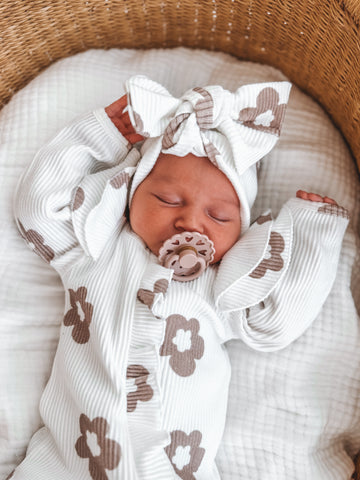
point(319, 226)
point(282, 315)
point(49, 190)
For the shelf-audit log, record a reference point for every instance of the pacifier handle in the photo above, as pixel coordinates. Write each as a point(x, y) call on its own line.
point(188, 254)
point(187, 259)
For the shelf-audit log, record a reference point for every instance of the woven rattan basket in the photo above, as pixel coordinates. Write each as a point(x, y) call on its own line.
point(316, 43)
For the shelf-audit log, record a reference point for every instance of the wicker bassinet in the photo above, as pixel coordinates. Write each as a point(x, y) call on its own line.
point(316, 43)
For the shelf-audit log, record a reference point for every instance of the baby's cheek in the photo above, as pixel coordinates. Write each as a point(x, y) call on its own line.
point(224, 242)
point(220, 250)
point(138, 222)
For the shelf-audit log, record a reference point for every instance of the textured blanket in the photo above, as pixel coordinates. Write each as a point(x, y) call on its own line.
point(292, 414)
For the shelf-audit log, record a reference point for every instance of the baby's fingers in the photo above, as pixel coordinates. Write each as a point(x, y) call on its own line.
point(314, 197)
point(117, 107)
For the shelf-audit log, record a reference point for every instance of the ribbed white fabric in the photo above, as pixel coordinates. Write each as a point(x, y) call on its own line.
point(291, 414)
point(124, 314)
point(89, 375)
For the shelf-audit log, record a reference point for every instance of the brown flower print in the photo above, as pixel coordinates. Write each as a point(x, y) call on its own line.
point(143, 392)
point(263, 219)
point(185, 453)
point(275, 262)
point(184, 350)
point(34, 238)
point(78, 200)
point(147, 296)
point(79, 315)
point(120, 179)
point(268, 99)
point(103, 453)
point(334, 210)
point(204, 109)
point(171, 129)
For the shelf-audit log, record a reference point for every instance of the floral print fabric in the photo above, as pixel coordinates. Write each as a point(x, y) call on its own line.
point(147, 296)
point(79, 198)
point(185, 453)
point(38, 242)
point(268, 114)
point(334, 210)
point(143, 391)
point(79, 316)
point(183, 344)
point(274, 261)
point(102, 452)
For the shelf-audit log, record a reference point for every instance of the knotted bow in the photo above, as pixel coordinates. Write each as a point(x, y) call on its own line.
point(234, 130)
point(210, 121)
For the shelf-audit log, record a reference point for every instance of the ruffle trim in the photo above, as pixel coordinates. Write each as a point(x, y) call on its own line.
point(272, 284)
point(99, 202)
point(144, 398)
point(256, 263)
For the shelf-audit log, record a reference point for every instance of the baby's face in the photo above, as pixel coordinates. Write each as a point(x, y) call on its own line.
point(186, 194)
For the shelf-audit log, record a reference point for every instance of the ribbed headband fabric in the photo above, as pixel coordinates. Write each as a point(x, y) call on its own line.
point(234, 130)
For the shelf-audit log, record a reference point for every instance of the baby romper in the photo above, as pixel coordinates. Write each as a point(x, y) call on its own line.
point(139, 384)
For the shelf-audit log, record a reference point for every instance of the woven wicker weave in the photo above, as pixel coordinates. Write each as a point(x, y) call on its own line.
point(316, 43)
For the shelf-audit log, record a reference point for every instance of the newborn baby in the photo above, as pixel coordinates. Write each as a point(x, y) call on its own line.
point(161, 266)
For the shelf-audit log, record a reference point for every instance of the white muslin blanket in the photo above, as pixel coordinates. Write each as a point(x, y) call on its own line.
point(291, 414)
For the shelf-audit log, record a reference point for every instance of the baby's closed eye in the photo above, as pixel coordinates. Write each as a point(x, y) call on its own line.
point(167, 199)
point(219, 216)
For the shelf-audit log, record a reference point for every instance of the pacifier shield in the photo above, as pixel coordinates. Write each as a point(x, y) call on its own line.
point(188, 254)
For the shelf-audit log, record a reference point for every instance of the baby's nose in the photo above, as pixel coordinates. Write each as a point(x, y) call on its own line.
point(189, 220)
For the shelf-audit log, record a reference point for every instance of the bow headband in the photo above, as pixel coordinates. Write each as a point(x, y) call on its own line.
point(234, 130)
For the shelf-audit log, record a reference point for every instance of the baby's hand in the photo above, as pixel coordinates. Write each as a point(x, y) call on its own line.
point(121, 120)
point(314, 197)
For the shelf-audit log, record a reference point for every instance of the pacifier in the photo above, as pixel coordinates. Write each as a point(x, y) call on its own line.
point(188, 254)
